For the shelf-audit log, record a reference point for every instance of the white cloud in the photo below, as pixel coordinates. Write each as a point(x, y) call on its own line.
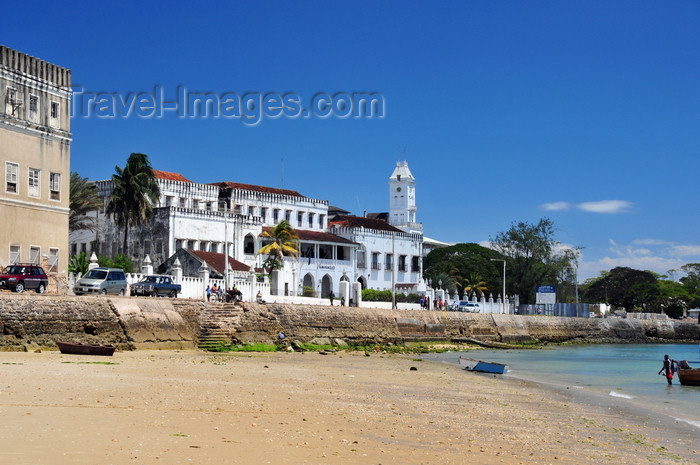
point(651, 242)
point(685, 250)
point(657, 255)
point(601, 206)
point(606, 206)
point(556, 206)
point(628, 250)
point(647, 262)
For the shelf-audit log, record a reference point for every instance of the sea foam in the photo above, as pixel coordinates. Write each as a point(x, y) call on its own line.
point(690, 422)
point(617, 394)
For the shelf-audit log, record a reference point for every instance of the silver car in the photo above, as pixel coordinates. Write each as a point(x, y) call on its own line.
point(102, 281)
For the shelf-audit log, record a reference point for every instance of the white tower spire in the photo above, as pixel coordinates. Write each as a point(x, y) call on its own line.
point(402, 199)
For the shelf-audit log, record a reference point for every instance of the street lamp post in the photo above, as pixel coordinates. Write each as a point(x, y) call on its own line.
point(224, 205)
point(503, 296)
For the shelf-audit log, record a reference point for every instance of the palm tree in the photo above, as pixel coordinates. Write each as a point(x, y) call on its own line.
point(475, 285)
point(83, 200)
point(285, 243)
point(135, 192)
point(443, 280)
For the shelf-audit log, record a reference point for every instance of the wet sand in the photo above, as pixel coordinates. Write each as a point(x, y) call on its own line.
point(168, 407)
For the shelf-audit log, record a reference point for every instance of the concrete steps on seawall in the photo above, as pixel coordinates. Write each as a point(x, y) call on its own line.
point(217, 324)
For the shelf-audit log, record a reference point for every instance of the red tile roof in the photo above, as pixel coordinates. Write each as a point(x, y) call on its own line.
point(252, 187)
point(349, 221)
point(170, 176)
point(317, 236)
point(216, 261)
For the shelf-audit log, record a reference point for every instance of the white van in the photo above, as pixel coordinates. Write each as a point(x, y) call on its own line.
point(470, 307)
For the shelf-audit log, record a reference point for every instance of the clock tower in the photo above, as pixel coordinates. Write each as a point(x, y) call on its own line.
point(402, 199)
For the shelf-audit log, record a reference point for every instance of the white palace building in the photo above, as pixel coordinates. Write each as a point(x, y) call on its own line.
point(195, 223)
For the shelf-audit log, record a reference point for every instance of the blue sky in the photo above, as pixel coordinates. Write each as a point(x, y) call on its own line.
point(585, 112)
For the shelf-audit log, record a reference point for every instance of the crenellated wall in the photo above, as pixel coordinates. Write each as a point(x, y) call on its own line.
point(180, 323)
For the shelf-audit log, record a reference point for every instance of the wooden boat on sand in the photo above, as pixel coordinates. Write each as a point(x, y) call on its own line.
point(687, 375)
point(471, 364)
point(85, 349)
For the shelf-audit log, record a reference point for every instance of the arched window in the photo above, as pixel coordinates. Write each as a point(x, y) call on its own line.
point(249, 245)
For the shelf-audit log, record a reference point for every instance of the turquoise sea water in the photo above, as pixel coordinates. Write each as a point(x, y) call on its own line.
point(625, 374)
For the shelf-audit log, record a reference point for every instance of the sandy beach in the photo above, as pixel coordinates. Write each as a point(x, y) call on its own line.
point(192, 407)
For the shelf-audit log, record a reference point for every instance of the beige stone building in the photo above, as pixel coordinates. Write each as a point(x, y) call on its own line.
point(35, 144)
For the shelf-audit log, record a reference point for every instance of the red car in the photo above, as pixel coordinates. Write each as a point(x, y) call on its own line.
point(20, 276)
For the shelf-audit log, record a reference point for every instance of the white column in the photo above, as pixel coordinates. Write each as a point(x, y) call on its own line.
point(204, 276)
point(147, 267)
point(177, 271)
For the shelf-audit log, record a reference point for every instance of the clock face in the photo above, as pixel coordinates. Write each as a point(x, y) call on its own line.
point(398, 189)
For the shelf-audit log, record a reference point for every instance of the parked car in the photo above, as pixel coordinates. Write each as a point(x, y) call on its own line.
point(156, 285)
point(20, 276)
point(102, 281)
point(470, 307)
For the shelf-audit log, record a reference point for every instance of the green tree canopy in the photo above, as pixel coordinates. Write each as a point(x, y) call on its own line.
point(535, 258)
point(626, 288)
point(135, 192)
point(691, 283)
point(456, 263)
point(474, 285)
point(83, 200)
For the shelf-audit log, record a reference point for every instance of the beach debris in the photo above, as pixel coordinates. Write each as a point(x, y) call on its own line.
point(323, 352)
point(414, 368)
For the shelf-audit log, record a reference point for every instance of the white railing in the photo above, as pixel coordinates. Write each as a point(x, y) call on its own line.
point(195, 287)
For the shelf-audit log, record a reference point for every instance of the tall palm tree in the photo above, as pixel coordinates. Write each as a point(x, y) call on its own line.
point(83, 200)
point(135, 192)
point(475, 285)
point(284, 243)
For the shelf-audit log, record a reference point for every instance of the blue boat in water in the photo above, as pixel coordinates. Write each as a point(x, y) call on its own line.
point(471, 364)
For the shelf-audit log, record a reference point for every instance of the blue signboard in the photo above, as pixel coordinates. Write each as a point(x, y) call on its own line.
point(546, 295)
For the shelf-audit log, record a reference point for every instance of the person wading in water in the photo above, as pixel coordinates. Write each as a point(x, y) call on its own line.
point(668, 368)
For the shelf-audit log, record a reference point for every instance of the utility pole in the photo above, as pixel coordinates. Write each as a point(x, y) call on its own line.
point(503, 296)
point(225, 209)
point(393, 272)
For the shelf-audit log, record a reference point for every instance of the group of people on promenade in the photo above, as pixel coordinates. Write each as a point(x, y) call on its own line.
point(439, 305)
point(218, 293)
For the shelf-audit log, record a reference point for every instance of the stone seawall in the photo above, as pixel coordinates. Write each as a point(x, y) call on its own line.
point(128, 322)
point(378, 325)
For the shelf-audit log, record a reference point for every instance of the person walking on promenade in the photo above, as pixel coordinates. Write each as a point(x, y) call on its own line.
point(331, 296)
point(208, 292)
point(668, 368)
